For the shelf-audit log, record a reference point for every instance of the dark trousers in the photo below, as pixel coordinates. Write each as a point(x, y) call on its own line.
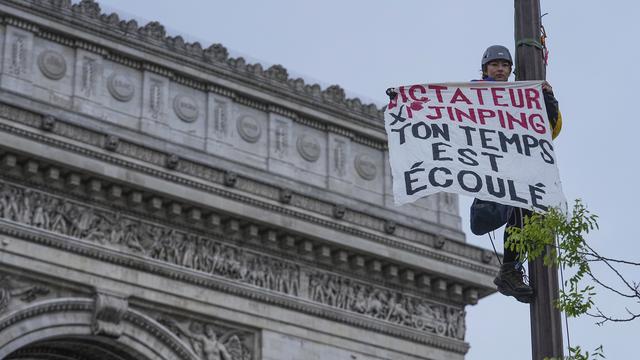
point(516, 219)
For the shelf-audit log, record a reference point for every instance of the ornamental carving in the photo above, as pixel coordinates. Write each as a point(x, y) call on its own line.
point(157, 242)
point(48, 123)
point(334, 93)
point(89, 74)
point(18, 56)
point(120, 87)
point(153, 30)
point(216, 52)
point(12, 289)
point(221, 118)
point(155, 98)
point(87, 7)
point(309, 148)
point(108, 312)
point(219, 259)
point(365, 167)
point(281, 138)
point(387, 305)
point(278, 73)
point(249, 129)
point(339, 158)
point(52, 64)
point(186, 108)
point(212, 341)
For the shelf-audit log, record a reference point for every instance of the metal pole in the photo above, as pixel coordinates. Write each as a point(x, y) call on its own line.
point(546, 321)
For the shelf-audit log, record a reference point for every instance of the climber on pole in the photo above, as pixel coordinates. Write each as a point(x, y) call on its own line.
point(497, 65)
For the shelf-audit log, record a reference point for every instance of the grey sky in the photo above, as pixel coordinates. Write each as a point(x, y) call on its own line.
point(367, 46)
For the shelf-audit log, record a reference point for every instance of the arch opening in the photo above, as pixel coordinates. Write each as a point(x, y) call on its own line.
point(75, 348)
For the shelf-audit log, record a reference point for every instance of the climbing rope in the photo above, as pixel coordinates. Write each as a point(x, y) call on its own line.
point(539, 44)
point(494, 246)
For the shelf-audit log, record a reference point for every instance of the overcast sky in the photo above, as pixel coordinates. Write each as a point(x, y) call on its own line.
point(367, 46)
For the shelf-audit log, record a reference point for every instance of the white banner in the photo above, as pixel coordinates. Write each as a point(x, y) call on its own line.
point(486, 139)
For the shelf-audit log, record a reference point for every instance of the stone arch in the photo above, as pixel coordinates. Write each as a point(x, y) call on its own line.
point(49, 323)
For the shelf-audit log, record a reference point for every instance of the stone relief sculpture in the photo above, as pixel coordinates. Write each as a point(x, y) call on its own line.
point(220, 124)
point(249, 129)
point(386, 305)
point(155, 102)
point(281, 138)
point(365, 167)
point(52, 65)
point(120, 87)
point(11, 289)
point(162, 243)
point(208, 341)
point(18, 56)
point(309, 147)
point(186, 108)
point(339, 156)
point(89, 70)
point(206, 255)
point(108, 313)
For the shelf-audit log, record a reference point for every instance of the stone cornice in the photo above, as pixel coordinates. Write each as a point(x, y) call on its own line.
point(268, 193)
point(151, 38)
point(371, 267)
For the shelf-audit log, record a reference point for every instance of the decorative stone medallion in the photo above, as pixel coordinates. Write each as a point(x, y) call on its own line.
point(309, 148)
point(52, 64)
point(120, 87)
point(365, 167)
point(186, 108)
point(249, 129)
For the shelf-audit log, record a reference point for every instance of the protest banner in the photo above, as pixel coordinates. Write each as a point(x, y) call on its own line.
point(489, 140)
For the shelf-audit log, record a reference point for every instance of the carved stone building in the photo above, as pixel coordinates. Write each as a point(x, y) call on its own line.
point(161, 200)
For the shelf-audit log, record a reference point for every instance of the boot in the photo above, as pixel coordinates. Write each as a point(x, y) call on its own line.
point(510, 282)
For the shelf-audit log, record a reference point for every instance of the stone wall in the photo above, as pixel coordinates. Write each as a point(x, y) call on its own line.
point(163, 200)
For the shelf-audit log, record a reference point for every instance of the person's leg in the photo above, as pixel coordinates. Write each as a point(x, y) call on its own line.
point(510, 280)
point(515, 220)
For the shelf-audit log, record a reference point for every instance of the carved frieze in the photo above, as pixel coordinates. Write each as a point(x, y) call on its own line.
point(163, 243)
point(52, 64)
point(219, 259)
point(387, 305)
point(120, 87)
point(341, 143)
point(249, 129)
point(186, 108)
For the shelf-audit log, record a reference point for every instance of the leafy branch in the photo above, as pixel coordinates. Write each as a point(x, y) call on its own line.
point(560, 240)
